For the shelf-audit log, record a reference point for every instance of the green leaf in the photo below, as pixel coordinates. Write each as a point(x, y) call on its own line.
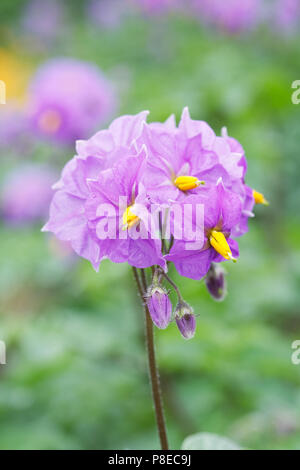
point(208, 441)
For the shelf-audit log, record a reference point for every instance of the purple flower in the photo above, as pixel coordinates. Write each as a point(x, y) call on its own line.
point(232, 16)
point(43, 19)
point(192, 151)
point(215, 282)
point(68, 99)
point(13, 127)
point(178, 162)
point(239, 186)
point(287, 14)
point(109, 195)
point(185, 320)
point(155, 6)
point(159, 306)
point(190, 159)
point(107, 13)
point(123, 181)
point(104, 201)
point(246, 194)
point(26, 194)
point(222, 212)
point(106, 174)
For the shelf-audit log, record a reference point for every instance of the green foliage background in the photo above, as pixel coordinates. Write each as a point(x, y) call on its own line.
point(76, 376)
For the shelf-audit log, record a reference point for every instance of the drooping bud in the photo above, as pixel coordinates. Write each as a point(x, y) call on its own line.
point(215, 282)
point(159, 305)
point(185, 320)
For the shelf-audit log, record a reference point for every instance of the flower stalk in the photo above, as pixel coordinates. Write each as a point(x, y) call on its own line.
point(154, 374)
point(175, 287)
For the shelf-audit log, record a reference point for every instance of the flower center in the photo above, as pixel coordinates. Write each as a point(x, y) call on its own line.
point(50, 121)
point(259, 198)
point(184, 183)
point(129, 218)
point(219, 243)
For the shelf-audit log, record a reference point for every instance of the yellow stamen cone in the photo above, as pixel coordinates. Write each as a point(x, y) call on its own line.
point(129, 219)
point(219, 243)
point(259, 198)
point(185, 183)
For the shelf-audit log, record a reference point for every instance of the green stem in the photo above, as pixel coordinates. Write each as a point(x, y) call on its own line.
point(154, 375)
point(180, 299)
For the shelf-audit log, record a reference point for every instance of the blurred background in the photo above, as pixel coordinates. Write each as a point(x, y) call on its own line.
point(76, 374)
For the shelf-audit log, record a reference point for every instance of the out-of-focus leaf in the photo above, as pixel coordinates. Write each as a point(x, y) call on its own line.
point(209, 441)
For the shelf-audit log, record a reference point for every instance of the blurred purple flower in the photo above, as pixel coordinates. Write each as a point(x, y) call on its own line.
point(13, 127)
point(107, 13)
point(287, 14)
point(26, 194)
point(68, 99)
point(155, 6)
point(43, 19)
point(232, 16)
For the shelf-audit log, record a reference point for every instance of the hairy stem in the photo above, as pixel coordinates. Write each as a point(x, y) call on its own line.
point(180, 299)
point(154, 376)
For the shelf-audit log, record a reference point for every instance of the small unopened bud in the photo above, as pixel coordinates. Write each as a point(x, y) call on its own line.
point(185, 320)
point(216, 283)
point(159, 306)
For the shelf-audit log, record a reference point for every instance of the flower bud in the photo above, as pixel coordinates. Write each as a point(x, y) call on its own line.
point(216, 283)
point(159, 306)
point(185, 320)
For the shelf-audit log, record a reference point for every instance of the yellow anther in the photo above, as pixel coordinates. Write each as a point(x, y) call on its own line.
point(50, 121)
point(184, 183)
point(129, 218)
point(219, 243)
point(259, 198)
